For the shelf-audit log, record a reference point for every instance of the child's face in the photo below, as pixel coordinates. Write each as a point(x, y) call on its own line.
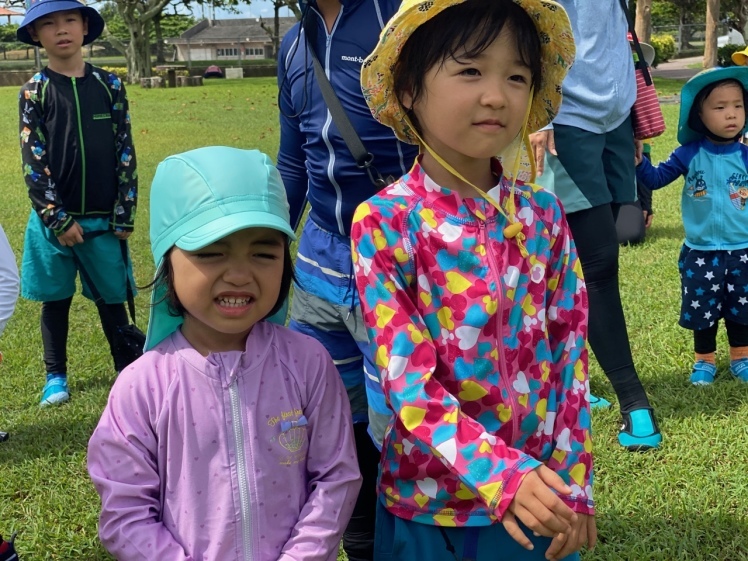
point(228, 286)
point(722, 112)
point(60, 33)
point(472, 109)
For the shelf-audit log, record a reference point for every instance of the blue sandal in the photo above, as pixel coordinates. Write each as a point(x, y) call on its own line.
point(739, 369)
point(639, 431)
point(703, 373)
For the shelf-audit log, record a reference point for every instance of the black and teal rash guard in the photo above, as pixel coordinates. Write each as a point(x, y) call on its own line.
point(76, 148)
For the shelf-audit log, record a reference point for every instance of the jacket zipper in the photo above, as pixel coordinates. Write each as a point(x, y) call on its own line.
point(82, 148)
point(328, 122)
point(718, 210)
point(241, 467)
point(499, 328)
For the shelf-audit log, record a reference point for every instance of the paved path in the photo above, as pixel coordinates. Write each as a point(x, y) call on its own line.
point(678, 69)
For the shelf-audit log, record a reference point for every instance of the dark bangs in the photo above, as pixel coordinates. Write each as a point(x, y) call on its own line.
point(465, 31)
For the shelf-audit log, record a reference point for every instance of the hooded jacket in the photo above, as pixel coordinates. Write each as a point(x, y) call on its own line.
point(234, 456)
point(481, 351)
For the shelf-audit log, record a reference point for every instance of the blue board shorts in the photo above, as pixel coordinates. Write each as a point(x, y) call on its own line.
point(48, 272)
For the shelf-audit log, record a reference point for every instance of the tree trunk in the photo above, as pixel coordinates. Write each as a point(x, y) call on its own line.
point(159, 39)
point(116, 43)
point(137, 17)
point(276, 30)
point(293, 5)
point(710, 43)
point(138, 52)
point(643, 24)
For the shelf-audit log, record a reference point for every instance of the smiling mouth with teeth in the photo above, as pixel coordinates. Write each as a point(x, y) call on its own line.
point(234, 302)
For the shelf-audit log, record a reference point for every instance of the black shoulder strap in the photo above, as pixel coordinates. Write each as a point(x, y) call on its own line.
point(641, 63)
point(363, 157)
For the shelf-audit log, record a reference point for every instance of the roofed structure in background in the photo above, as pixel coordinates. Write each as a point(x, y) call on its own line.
point(9, 13)
point(229, 39)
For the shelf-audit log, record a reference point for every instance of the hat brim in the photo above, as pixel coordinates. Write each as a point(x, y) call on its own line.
point(219, 228)
point(740, 57)
point(41, 9)
point(691, 89)
point(377, 77)
point(648, 52)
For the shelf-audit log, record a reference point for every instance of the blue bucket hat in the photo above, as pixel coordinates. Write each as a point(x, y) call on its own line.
point(39, 8)
point(202, 196)
point(691, 89)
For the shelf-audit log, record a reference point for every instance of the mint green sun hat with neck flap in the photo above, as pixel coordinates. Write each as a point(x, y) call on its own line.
point(202, 196)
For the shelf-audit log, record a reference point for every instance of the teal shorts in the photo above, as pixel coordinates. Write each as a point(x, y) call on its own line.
point(591, 169)
point(396, 539)
point(48, 271)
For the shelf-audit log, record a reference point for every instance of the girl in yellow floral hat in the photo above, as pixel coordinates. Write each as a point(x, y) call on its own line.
point(472, 292)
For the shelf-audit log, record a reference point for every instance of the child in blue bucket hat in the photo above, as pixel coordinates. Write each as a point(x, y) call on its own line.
point(231, 437)
point(79, 166)
point(29, 33)
point(713, 262)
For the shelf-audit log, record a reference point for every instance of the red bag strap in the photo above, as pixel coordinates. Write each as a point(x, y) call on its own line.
point(641, 64)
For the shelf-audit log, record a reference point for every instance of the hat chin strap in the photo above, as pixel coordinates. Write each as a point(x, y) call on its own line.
point(715, 137)
point(514, 229)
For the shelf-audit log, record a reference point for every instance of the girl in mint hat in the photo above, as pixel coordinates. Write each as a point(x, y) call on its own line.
point(713, 262)
point(231, 437)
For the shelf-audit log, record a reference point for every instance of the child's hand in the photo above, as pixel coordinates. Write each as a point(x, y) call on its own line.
point(638, 151)
point(539, 508)
point(583, 531)
point(540, 142)
point(121, 234)
point(71, 236)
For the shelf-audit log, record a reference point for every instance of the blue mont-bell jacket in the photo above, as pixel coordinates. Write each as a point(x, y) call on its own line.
point(313, 159)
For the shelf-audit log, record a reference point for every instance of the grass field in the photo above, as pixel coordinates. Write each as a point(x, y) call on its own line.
point(686, 501)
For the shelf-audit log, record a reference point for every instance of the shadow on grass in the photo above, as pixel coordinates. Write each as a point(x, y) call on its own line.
point(57, 433)
point(673, 396)
point(675, 399)
point(61, 430)
point(677, 534)
point(666, 232)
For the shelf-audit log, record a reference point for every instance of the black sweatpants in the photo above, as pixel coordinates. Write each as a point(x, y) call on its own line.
point(594, 232)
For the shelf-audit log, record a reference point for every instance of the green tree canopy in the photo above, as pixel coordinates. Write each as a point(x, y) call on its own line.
point(172, 25)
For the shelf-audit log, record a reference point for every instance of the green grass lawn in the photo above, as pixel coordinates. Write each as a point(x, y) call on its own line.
point(686, 501)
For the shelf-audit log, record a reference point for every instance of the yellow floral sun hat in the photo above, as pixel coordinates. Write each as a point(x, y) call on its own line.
point(377, 73)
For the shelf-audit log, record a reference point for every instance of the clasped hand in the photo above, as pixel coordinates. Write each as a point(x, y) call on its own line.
point(540, 509)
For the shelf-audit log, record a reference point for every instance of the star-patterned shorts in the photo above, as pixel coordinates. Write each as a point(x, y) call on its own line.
point(714, 285)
